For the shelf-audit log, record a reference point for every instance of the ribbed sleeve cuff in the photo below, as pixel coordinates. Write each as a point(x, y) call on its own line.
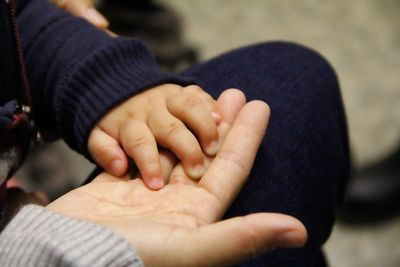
point(105, 78)
point(38, 237)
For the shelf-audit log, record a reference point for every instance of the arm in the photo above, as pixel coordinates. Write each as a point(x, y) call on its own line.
point(78, 73)
point(38, 237)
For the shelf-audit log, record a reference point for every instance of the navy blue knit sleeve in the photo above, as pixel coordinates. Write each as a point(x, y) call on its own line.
point(78, 73)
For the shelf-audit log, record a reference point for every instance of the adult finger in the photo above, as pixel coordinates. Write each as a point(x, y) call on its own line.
point(197, 117)
point(241, 238)
point(229, 242)
point(172, 134)
point(106, 152)
point(84, 9)
point(139, 143)
point(229, 103)
point(230, 168)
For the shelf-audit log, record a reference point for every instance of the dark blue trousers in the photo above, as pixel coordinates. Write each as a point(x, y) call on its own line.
point(303, 163)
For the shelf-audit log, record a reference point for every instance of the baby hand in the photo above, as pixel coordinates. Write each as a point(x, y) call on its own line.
point(183, 120)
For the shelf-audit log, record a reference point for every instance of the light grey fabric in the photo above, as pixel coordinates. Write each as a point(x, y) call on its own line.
point(39, 237)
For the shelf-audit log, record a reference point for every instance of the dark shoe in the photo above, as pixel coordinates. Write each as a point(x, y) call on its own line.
point(373, 194)
point(156, 25)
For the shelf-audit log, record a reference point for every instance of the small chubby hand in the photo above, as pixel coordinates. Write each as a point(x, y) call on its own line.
point(183, 120)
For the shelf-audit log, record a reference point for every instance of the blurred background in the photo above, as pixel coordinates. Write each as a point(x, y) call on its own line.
point(361, 39)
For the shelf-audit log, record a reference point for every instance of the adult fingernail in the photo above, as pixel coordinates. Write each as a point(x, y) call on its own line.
point(291, 239)
point(196, 172)
point(156, 183)
point(96, 18)
point(212, 148)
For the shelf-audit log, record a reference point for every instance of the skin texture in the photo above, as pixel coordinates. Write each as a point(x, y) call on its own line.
point(84, 9)
point(182, 120)
point(179, 224)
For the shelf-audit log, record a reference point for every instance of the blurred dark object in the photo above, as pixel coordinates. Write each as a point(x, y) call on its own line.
point(373, 194)
point(48, 168)
point(17, 198)
point(157, 26)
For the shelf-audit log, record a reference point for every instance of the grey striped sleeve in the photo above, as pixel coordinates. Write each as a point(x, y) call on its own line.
point(39, 237)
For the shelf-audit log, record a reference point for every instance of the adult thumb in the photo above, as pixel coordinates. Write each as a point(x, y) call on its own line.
point(234, 240)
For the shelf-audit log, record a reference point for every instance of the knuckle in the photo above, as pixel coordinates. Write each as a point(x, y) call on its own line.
point(193, 150)
point(234, 158)
point(194, 88)
point(137, 143)
point(130, 113)
point(99, 151)
point(174, 128)
point(150, 166)
point(251, 241)
point(211, 102)
point(207, 96)
point(190, 102)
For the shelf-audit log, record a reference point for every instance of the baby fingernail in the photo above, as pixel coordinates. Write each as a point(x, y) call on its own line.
point(216, 116)
point(156, 183)
point(196, 172)
point(290, 239)
point(212, 148)
point(117, 165)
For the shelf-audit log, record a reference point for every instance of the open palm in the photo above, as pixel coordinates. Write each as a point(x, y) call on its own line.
point(178, 225)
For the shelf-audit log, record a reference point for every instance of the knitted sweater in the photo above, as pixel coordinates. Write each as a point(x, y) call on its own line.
point(38, 237)
point(78, 73)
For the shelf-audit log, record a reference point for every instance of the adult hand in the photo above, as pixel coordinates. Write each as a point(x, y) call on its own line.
point(178, 225)
point(84, 9)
